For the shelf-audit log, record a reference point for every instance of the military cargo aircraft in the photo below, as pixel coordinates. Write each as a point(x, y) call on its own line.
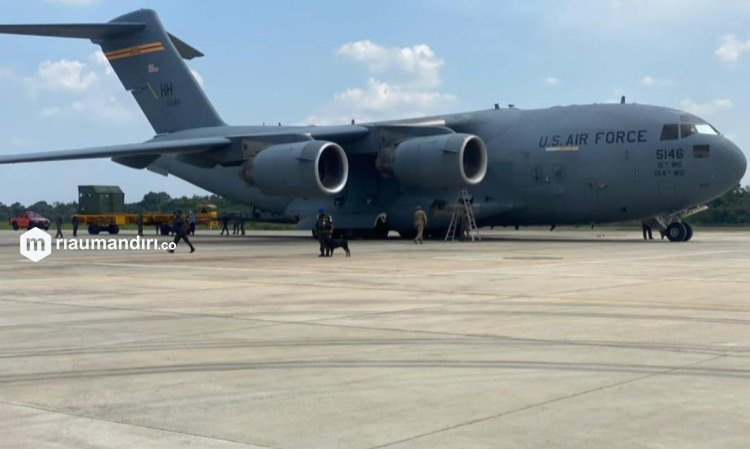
point(574, 165)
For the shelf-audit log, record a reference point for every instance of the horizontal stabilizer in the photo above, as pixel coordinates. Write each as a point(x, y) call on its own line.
point(151, 148)
point(94, 31)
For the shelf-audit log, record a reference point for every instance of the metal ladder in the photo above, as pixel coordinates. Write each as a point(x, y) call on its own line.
point(458, 212)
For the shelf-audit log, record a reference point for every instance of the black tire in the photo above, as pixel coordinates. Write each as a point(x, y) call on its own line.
point(165, 229)
point(94, 229)
point(14, 225)
point(689, 229)
point(407, 235)
point(676, 232)
point(113, 229)
point(378, 234)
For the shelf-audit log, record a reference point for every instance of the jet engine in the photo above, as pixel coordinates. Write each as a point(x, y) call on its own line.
point(445, 161)
point(298, 169)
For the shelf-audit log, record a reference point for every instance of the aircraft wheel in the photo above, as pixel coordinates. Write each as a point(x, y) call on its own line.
point(407, 235)
point(378, 234)
point(689, 230)
point(676, 232)
point(14, 225)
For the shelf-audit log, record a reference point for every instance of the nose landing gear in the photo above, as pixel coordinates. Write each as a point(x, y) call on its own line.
point(679, 232)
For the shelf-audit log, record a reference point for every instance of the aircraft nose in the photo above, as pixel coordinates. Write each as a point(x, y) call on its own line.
point(736, 163)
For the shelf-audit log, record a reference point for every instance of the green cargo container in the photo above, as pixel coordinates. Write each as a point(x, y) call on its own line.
point(100, 200)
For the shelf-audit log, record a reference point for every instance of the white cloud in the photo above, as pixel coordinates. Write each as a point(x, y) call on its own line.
point(551, 81)
point(403, 82)
point(731, 49)
point(87, 88)
point(418, 63)
point(650, 81)
point(706, 109)
point(61, 76)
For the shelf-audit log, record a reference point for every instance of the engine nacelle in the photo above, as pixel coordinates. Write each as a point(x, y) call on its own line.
point(298, 169)
point(446, 161)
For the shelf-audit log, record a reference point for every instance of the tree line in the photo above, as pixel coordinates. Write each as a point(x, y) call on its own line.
point(151, 202)
point(731, 209)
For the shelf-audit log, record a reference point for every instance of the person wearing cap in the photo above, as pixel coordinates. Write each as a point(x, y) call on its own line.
point(420, 221)
point(323, 229)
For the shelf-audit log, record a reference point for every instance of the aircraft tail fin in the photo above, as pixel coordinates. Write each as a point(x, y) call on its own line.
point(149, 63)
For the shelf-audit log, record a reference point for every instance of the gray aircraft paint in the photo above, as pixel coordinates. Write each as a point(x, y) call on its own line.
point(561, 165)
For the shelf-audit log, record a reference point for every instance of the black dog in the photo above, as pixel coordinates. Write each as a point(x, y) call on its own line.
point(331, 244)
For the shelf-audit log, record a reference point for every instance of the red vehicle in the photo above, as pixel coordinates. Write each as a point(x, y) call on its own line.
point(28, 220)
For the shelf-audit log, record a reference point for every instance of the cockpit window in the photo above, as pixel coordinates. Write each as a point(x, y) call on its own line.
point(687, 130)
point(705, 128)
point(670, 132)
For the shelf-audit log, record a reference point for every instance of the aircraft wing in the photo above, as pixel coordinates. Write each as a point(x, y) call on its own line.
point(150, 148)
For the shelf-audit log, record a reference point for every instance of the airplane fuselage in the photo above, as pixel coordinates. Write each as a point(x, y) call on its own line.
point(562, 165)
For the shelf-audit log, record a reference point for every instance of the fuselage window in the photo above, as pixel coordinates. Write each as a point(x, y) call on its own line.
point(701, 151)
point(687, 130)
point(670, 132)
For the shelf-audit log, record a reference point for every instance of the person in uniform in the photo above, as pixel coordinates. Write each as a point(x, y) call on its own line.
point(74, 221)
point(180, 231)
point(324, 229)
point(58, 226)
point(420, 221)
point(465, 226)
point(139, 222)
point(224, 223)
point(646, 231)
point(192, 221)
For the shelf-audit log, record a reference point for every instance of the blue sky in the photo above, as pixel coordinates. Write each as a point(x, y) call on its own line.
point(300, 62)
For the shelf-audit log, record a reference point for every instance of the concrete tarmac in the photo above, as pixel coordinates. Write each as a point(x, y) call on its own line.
point(569, 339)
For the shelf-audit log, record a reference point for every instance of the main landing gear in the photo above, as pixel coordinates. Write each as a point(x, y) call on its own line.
point(679, 232)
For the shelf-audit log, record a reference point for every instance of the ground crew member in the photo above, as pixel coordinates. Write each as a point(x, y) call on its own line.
point(139, 222)
point(192, 220)
point(646, 230)
point(180, 231)
point(235, 224)
point(75, 221)
point(58, 225)
point(465, 226)
point(224, 224)
point(324, 229)
point(242, 223)
point(420, 221)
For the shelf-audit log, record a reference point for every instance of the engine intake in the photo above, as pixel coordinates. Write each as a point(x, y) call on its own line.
point(299, 169)
point(445, 161)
